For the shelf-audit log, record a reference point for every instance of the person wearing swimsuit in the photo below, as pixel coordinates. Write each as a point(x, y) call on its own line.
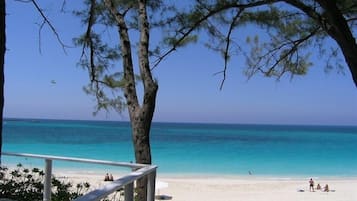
point(311, 185)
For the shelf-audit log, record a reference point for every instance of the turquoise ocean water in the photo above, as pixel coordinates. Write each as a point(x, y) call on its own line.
point(181, 148)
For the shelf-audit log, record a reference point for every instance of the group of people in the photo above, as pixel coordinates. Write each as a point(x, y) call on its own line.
point(318, 187)
point(108, 177)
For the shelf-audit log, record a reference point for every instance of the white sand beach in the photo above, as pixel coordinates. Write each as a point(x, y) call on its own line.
point(206, 188)
point(255, 189)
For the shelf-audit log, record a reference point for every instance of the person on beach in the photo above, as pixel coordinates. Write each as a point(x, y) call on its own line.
point(311, 185)
point(106, 178)
point(326, 189)
point(111, 177)
point(318, 187)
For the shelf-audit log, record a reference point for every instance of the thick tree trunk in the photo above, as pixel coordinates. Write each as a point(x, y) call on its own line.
point(140, 115)
point(141, 119)
point(2, 59)
point(339, 30)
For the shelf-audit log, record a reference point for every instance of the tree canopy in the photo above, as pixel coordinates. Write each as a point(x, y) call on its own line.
point(291, 31)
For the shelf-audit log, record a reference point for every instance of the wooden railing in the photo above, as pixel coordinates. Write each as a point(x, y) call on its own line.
point(126, 182)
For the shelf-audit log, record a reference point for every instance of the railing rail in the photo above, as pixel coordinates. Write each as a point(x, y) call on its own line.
point(138, 171)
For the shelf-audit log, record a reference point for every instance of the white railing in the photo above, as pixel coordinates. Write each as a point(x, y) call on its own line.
point(126, 182)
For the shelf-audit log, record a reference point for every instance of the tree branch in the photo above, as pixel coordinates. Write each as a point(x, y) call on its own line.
point(306, 9)
point(46, 21)
point(89, 41)
point(228, 39)
point(289, 53)
point(211, 13)
point(130, 89)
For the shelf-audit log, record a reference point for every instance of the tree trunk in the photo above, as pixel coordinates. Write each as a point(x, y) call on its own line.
point(2, 59)
point(140, 115)
point(141, 123)
point(141, 119)
point(339, 30)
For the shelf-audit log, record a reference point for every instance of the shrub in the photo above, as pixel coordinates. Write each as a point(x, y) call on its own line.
point(21, 184)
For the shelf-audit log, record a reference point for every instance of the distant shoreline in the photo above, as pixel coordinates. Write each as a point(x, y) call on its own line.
point(172, 122)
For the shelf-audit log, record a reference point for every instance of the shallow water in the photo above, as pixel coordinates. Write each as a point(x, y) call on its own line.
point(182, 148)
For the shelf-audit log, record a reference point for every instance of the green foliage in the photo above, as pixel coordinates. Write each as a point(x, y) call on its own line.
point(172, 41)
point(289, 33)
point(102, 52)
point(22, 184)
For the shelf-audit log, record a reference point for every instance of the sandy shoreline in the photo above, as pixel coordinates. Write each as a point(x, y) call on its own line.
point(247, 188)
point(256, 189)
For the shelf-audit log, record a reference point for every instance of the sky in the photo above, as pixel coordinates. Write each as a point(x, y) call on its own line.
point(49, 84)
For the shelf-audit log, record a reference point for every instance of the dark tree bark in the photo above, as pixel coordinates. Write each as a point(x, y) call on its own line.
point(141, 119)
point(338, 29)
point(2, 61)
point(140, 115)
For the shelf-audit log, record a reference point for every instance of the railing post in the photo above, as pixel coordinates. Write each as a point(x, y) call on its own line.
point(140, 171)
point(129, 192)
point(47, 183)
point(151, 186)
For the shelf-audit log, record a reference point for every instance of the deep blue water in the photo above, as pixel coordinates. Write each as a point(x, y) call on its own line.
point(195, 148)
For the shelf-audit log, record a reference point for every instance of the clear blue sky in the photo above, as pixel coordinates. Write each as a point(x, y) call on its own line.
point(188, 89)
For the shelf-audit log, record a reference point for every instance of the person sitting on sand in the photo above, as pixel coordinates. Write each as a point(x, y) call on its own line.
point(311, 185)
point(326, 189)
point(111, 177)
point(318, 187)
point(106, 178)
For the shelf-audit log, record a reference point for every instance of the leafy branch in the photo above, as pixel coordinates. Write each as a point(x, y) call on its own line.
point(199, 16)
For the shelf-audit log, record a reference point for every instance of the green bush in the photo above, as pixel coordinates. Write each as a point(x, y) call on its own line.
point(21, 184)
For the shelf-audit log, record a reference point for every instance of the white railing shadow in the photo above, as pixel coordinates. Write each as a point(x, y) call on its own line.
point(127, 182)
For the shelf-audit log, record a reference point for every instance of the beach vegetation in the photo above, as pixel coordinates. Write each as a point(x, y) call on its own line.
point(23, 184)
